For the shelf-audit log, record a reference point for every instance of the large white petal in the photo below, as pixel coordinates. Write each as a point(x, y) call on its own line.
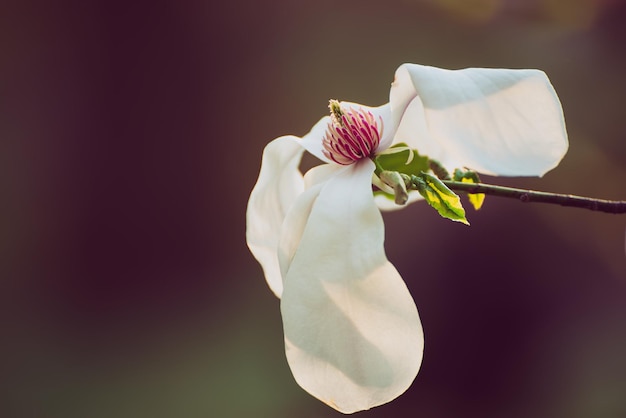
point(496, 121)
point(279, 184)
point(352, 332)
point(297, 217)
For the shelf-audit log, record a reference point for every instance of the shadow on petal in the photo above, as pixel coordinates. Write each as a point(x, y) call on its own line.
point(352, 331)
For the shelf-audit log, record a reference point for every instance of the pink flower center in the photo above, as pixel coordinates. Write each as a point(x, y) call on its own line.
point(352, 134)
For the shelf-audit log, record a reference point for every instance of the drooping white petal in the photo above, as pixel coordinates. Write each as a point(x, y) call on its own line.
point(275, 191)
point(297, 217)
point(319, 174)
point(496, 121)
point(352, 332)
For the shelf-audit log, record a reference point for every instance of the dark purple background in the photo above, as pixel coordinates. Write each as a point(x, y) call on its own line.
point(130, 138)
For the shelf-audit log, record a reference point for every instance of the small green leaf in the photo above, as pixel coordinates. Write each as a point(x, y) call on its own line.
point(402, 159)
point(468, 176)
point(440, 197)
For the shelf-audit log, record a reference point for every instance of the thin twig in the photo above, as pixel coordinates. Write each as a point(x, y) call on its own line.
point(601, 205)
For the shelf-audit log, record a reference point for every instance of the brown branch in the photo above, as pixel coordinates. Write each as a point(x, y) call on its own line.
point(601, 205)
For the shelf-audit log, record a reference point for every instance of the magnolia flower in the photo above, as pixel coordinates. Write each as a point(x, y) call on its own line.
point(353, 336)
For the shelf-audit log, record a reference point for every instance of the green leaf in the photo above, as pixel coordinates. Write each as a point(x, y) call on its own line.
point(468, 176)
point(402, 159)
point(440, 197)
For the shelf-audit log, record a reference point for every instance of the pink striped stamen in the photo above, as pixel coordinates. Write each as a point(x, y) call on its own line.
point(351, 135)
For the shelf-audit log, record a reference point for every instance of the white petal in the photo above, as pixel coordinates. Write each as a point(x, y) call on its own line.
point(352, 332)
point(275, 191)
point(496, 121)
point(320, 174)
point(312, 141)
point(297, 217)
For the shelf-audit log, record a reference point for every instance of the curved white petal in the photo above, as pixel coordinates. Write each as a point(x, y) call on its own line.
point(352, 332)
point(297, 217)
point(319, 174)
point(496, 121)
point(275, 191)
point(312, 141)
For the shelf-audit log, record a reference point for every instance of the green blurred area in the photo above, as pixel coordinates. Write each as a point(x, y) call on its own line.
point(131, 137)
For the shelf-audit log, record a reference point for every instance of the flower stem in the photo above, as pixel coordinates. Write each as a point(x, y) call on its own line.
point(601, 205)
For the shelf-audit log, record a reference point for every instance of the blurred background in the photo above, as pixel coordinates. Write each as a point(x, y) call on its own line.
point(131, 136)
